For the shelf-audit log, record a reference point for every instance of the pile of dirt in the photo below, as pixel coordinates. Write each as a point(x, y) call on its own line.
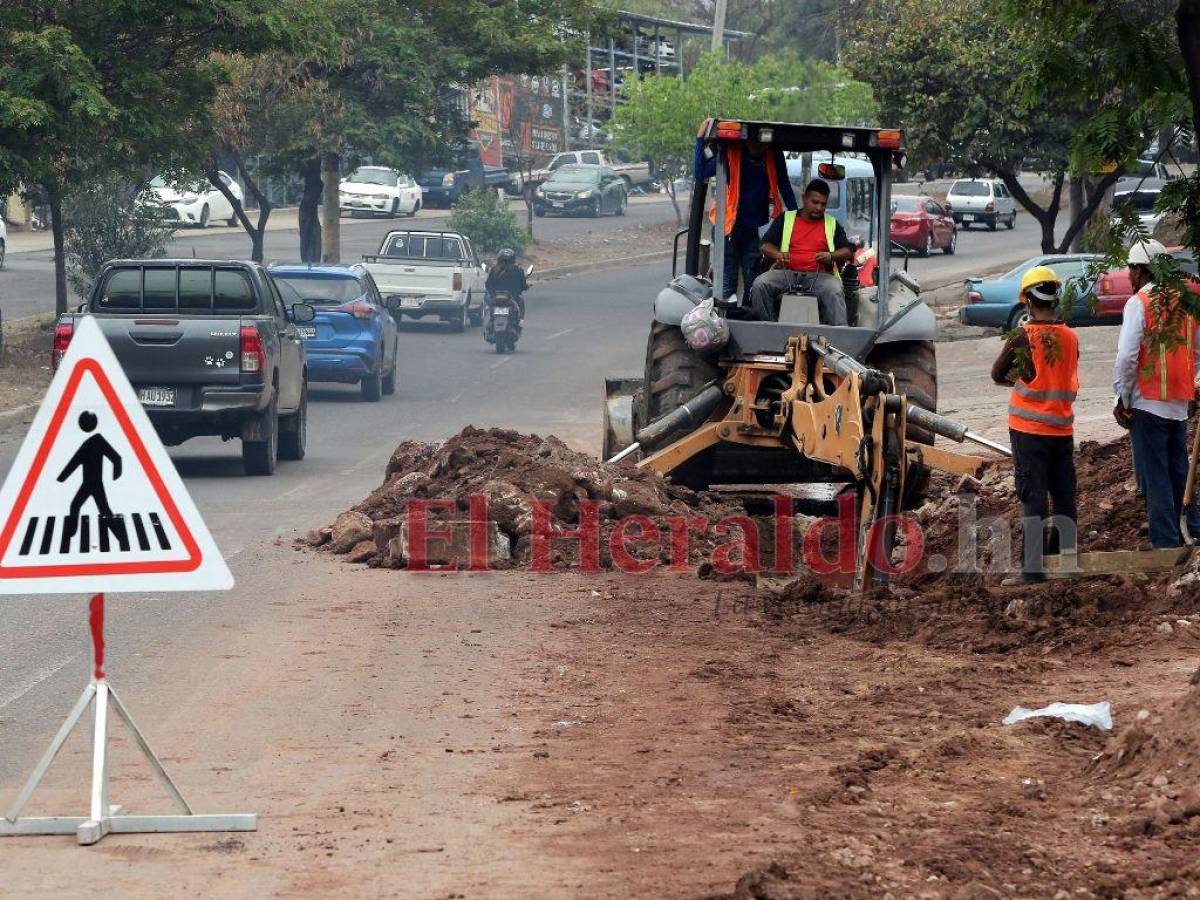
point(508, 479)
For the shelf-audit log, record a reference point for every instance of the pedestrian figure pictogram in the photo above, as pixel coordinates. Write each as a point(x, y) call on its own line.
point(89, 459)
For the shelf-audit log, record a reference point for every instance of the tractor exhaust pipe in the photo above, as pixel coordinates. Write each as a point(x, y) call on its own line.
point(690, 414)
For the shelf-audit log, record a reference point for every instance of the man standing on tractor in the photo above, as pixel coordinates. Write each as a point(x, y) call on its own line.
point(811, 247)
point(1154, 380)
point(758, 189)
point(1041, 363)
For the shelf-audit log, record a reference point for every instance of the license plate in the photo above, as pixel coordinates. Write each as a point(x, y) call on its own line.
point(502, 314)
point(156, 396)
point(557, 204)
point(307, 331)
point(967, 217)
point(411, 302)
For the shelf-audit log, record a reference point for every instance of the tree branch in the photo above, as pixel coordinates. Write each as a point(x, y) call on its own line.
point(1095, 198)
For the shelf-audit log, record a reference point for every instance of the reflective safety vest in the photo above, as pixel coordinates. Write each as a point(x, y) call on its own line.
point(1045, 405)
point(733, 156)
point(1166, 370)
point(789, 222)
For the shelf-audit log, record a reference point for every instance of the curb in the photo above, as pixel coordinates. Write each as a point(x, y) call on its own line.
point(564, 271)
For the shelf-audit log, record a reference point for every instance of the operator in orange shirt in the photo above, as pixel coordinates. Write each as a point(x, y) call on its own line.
point(808, 250)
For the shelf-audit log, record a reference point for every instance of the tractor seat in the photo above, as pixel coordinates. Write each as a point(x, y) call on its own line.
point(799, 309)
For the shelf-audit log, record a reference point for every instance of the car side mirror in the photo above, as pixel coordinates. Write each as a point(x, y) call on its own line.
point(303, 312)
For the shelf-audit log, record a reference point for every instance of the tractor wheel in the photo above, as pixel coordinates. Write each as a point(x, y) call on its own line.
point(914, 365)
point(674, 375)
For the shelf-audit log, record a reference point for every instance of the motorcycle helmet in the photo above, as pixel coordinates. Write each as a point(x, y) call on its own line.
point(507, 255)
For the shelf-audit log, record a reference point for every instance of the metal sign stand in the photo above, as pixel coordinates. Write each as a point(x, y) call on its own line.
point(105, 818)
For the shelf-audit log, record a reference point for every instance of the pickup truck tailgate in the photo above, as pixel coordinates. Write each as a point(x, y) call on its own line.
point(414, 278)
point(167, 351)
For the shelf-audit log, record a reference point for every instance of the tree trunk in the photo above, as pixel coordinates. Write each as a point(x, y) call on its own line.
point(331, 223)
point(54, 201)
point(669, 186)
point(310, 224)
point(1076, 208)
point(1046, 218)
point(1187, 22)
point(1099, 199)
point(255, 232)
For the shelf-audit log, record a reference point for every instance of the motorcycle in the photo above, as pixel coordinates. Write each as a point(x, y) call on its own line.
point(504, 322)
point(502, 325)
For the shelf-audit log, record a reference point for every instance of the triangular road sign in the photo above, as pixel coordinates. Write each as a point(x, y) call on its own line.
point(93, 502)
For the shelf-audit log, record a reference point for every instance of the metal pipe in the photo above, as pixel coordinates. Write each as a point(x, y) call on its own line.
point(632, 448)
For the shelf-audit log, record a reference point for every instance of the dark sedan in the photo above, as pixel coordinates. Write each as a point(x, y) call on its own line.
point(590, 190)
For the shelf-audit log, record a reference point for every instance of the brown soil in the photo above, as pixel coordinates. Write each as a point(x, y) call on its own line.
point(632, 240)
point(25, 361)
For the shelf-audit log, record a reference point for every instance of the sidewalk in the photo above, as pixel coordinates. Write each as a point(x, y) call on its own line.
point(282, 219)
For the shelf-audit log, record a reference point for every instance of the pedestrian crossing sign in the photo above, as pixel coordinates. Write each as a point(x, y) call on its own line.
point(92, 502)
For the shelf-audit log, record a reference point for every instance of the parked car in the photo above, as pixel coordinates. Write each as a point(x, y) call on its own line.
point(430, 273)
point(198, 203)
point(210, 348)
point(921, 224)
point(1114, 287)
point(375, 189)
point(1141, 195)
point(352, 339)
point(442, 187)
point(590, 190)
point(984, 200)
point(994, 302)
point(633, 173)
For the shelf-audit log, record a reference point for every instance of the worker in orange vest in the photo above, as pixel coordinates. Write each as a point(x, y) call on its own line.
point(757, 190)
point(1154, 379)
point(1041, 363)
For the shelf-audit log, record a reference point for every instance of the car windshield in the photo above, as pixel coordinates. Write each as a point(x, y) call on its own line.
point(1141, 201)
point(970, 189)
point(319, 290)
point(159, 182)
point(373, 176)
point(577, 176)
point(906, 204)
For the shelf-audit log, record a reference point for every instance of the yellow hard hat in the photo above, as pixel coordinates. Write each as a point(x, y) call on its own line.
point(1036, 276)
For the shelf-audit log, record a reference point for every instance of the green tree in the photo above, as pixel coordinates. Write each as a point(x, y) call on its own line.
point(118, 86)
point(949, 74)
point(488, 221)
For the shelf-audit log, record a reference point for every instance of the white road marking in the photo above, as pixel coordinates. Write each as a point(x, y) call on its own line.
point(501, 362)
point(31, 682)
point(297, 489)
point(559, 334)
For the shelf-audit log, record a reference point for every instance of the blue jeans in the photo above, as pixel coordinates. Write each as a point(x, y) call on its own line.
point(743, 253)
point(1160, 461)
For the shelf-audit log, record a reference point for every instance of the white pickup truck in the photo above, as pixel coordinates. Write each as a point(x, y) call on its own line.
point(633, 173)
point(430, 273)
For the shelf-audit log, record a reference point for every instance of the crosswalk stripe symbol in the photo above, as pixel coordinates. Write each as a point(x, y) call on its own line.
point(92, 501)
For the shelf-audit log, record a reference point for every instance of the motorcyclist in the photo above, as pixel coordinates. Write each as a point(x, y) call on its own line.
point(506, 275)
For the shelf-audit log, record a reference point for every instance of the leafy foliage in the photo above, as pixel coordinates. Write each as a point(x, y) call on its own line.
point(487, 220)
point(104, 221)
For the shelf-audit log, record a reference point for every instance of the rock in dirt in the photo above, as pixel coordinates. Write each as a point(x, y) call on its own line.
point(349, 529)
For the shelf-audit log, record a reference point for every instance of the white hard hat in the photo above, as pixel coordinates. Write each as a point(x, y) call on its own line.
point(1142, 252)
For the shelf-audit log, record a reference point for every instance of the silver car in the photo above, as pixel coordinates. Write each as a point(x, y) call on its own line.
point(981, 200)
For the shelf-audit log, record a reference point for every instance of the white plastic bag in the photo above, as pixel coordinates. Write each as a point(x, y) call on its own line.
point(1096, 714)
point(704, 329)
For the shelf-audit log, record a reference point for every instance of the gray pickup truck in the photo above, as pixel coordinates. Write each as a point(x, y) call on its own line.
point(210, 348)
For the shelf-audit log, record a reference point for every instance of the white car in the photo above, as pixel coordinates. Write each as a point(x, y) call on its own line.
point(981, 200)
point(197, 204)
point(1141, 195)
point(375, 189)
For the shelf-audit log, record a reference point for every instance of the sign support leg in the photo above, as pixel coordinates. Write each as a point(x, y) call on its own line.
point(104, 818)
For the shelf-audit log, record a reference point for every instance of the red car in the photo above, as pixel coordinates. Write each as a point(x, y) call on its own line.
point(1114, 288)
point(921, 224)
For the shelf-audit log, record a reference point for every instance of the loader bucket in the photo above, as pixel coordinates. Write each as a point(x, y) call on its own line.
point(620, 407)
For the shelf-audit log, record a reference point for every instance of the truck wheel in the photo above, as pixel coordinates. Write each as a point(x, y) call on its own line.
point(293, 431)
point(674, 375)
point(459, 322)
point(914, 365)
point(474, 315)
point(372, 385)
point(204, 213)
point(259, 457)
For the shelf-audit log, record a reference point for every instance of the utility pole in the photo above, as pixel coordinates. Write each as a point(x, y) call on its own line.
point(718, 41)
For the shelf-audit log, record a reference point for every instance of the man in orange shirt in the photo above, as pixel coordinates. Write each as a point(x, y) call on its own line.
point(808, 250)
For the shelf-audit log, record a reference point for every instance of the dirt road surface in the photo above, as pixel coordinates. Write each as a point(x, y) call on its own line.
point(520, 735)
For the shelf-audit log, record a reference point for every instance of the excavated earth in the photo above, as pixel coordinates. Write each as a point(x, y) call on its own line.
point(714, 738)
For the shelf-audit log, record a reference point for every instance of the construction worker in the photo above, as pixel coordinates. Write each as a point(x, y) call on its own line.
point(810, 248)
point(1041, 363)
point(1154, 379)
point(757, 190)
